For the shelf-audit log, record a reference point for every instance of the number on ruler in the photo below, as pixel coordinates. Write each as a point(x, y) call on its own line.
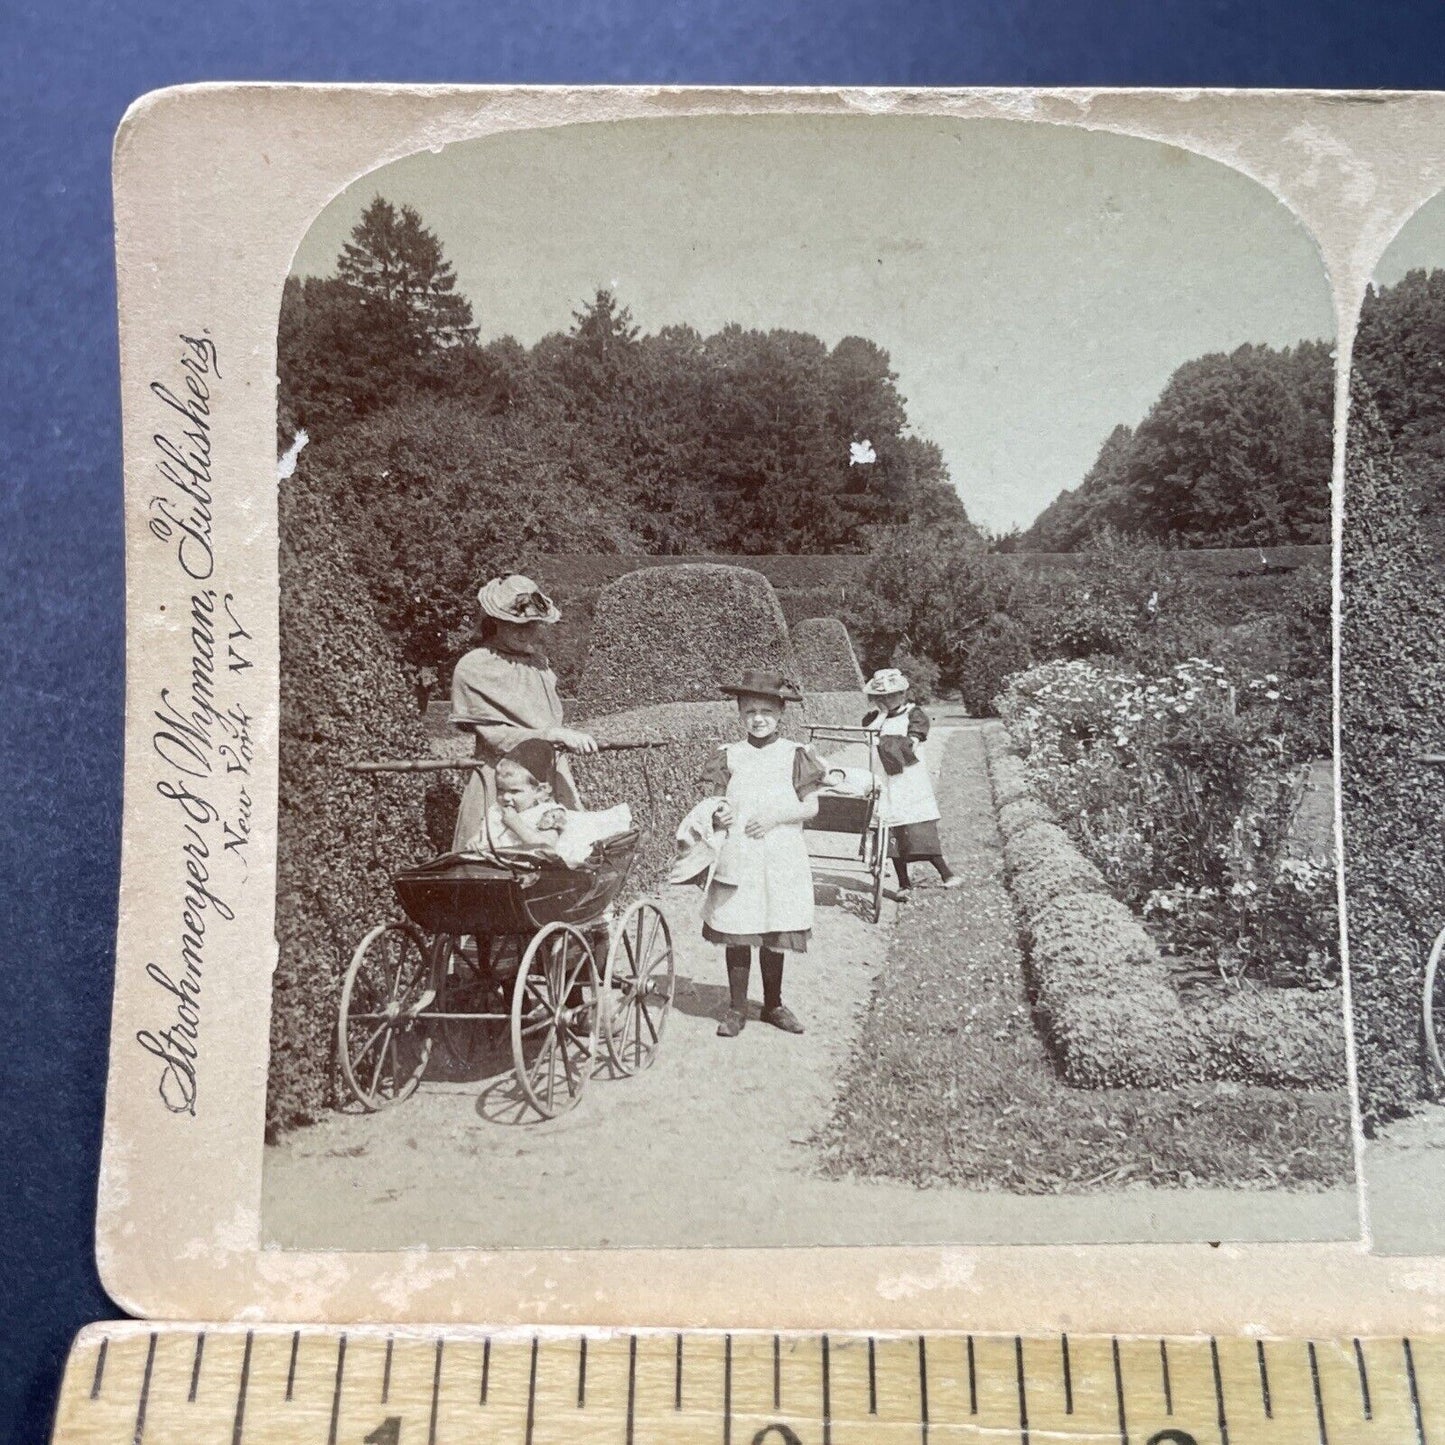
point(780, 1432)
point(387, 1433)
point(1173, 1437)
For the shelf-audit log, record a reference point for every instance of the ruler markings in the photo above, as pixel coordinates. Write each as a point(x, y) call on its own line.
point(1119, 1394)
point(145, 1392)
point(196, 1367)
point(386, 1372)
point(1264, 1391)
point(923, 1390)
point(727, 1390)
point(436, 1391)
point(532, 1392)
point(1365, 1406)
point(1223, 1420)
point(1318, 1393)
point(1164, 1377)
point(677, 1376)
point(632, 1382)
point(486, 1366)
point(336, 1390)
point(1414, 1392)
point(872, 1378)
point(582, 1373)
point(1068, 1375)
point(1023, 1391)
point(972, 1380)
point(99, 1369)
point(828, 1389)
point(777, 1373)
point(291, 1367)
point(239, 1424)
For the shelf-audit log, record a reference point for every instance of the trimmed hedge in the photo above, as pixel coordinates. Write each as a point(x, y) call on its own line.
point(672, 634)
point(826, 657)
point(1010, 780)
point(661, 784)
point(801, 603)
point(1022, 814)
point(1392, 708)
point(1108, 1005)
point(340, 836)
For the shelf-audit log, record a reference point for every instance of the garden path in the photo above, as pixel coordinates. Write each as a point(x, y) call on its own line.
point(713, 1145)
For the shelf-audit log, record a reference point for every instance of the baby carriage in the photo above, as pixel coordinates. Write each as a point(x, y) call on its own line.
point(513, 941)
point(849, 803)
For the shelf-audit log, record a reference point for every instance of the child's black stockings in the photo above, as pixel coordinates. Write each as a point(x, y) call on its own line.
point(900, 867)
point(740, 963)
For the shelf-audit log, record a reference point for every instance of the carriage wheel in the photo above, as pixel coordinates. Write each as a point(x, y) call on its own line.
point(877, 865)
point(1434, 1003)
point(466, 974)
point(382, 1043)
point(637, 987)
point(554, 1019)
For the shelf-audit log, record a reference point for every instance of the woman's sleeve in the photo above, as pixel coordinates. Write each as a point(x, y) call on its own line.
point(480, 688)
point(869, 716)
point(918, 723)
point(716, 775)
point(808, 773)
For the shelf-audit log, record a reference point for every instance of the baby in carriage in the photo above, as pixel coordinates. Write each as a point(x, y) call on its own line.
point(527, 815)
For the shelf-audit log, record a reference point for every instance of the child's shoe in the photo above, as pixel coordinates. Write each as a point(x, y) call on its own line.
point(730, 1025)
point(782, 1017)
point(904, 895)
point(950, 883)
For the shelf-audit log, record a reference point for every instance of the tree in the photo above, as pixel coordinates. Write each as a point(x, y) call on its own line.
point(396, 264)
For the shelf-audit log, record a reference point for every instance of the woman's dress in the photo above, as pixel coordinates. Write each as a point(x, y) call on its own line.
point(502, 696)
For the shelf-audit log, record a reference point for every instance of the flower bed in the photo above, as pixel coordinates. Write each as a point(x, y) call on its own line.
point(1104, 993)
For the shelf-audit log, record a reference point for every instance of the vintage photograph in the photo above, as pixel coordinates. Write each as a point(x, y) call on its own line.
point(1392, 719)
point(806, 695)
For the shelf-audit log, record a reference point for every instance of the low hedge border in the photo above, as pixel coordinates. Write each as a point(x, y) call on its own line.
point(1105, 998)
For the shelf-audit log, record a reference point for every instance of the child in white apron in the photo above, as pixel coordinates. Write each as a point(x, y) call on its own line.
point(760, 893)
point(908, 805)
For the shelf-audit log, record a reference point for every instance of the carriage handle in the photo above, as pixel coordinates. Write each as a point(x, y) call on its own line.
point(447, 765)
point(1431, 758)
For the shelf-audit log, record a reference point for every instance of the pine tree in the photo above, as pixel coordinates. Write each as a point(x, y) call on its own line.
point(396, 262)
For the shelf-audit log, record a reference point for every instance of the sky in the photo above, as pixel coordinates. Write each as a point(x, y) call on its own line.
point(1034, 285)
point(1419, 244)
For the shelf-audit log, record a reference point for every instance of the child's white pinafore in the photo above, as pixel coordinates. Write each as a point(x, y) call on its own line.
point(774, 892)
point(908, 796)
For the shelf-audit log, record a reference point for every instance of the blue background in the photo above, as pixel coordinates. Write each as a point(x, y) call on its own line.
point(66, 76)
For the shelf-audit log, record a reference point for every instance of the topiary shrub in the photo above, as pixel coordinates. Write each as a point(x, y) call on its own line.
point(340, 836)
point(802, 604)
point(1287, 1037)
point(1054, 877)
point(1392, 708)
point(1023, 813)
point(825, 656)
point(1037, 844)
point(671, 634)
point(1010, 779)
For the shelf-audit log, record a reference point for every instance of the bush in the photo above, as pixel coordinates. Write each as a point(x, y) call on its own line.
point(999, 651)
point(339, 836)
point(1392, 708)
point(1014, 818)
point(922, 674)
point(672, 634)
point(661, 784)
point(825, 656)
point(1287, 1037)
point(1059, 875)
point(1009, 778)
point(801, 603)
point(1038, 844)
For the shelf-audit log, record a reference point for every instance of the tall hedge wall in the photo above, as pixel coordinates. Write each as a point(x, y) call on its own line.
point(661, 784)
point(343, 698)
point(1392, 708)
point(671, 634)
point(826, 657)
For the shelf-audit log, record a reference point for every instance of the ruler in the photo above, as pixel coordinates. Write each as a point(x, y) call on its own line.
point(165, 1384)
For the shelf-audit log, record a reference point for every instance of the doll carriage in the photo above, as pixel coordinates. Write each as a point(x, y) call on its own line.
point(513, 950)
point(849, 804)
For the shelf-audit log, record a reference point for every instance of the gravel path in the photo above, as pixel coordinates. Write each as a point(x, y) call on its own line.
point(711, 1147)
